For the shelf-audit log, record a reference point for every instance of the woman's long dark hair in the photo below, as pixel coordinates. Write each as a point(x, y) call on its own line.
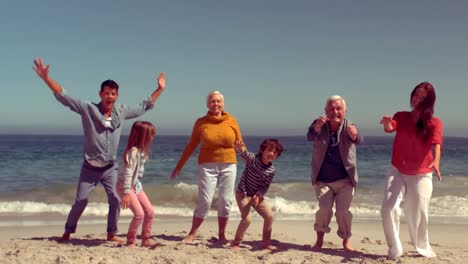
point(425, 107)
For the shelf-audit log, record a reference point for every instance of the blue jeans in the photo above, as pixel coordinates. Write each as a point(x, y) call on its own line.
point(89, 179)
point(211, 175)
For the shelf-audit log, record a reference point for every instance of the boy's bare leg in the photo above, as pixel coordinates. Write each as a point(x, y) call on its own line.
point(267, 241)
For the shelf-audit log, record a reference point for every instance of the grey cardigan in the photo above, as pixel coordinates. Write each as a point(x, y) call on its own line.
point(346, 146)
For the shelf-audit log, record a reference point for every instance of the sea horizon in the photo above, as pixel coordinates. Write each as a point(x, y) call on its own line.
point(39, 174)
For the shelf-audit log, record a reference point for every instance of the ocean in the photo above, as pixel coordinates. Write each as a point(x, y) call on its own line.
point(39, 173)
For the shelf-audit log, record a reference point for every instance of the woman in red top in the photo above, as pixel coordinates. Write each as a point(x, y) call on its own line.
point(416, 154)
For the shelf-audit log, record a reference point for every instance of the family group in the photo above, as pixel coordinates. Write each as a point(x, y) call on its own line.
point(415, 156)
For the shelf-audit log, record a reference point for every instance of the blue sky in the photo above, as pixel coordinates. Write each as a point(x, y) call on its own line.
point(275, 61)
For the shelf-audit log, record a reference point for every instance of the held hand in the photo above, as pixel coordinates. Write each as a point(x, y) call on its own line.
point(125, 203)
point(319, 122)
point(239, 146)
point(162, 81)
point(255, 200)
point(41, 69)
point(352, 132)
point(174, 174)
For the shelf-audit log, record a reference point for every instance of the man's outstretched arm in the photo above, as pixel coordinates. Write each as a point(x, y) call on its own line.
point(161, 87)
point(42, 71)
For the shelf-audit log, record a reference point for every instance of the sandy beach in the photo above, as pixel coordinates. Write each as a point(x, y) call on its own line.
point(38, 244)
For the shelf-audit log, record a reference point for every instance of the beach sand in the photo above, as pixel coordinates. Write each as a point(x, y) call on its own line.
point(38, 244)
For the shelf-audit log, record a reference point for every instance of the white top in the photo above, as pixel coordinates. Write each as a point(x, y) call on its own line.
point(107, 122)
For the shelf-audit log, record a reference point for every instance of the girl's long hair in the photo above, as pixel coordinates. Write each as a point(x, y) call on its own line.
point(141, 137)
point(425, 108)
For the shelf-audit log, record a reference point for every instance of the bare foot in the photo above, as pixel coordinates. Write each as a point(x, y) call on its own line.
point(235, 247)
point(347, 246)
point(130, 245)
point(115, 239)
point(188, 239)
point(270, 247)
point(150, 243)
point(318, 245)
point(222, 240)
point(65, 237)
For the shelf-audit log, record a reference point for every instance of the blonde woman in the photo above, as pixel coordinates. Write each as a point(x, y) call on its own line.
point(216, 132)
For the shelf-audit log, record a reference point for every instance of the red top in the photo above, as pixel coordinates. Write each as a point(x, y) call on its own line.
point(411, 154)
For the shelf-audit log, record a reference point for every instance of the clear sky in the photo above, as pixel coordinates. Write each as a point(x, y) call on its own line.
point(275, 61)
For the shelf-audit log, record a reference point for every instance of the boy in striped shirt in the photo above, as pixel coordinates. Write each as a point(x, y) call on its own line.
point(256, 179)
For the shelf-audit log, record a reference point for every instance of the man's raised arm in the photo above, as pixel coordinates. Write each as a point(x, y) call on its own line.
point(43, 73)
point(161, 87)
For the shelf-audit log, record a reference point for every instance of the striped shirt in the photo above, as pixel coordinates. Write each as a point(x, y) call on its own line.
point(257, 177)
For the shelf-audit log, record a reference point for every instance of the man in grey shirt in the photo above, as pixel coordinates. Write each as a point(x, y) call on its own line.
point(102, 125)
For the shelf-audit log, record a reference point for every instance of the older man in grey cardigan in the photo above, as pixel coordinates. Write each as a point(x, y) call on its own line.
point(334, 173)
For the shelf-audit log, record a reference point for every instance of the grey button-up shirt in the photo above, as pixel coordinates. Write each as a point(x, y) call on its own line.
point(101, 142)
